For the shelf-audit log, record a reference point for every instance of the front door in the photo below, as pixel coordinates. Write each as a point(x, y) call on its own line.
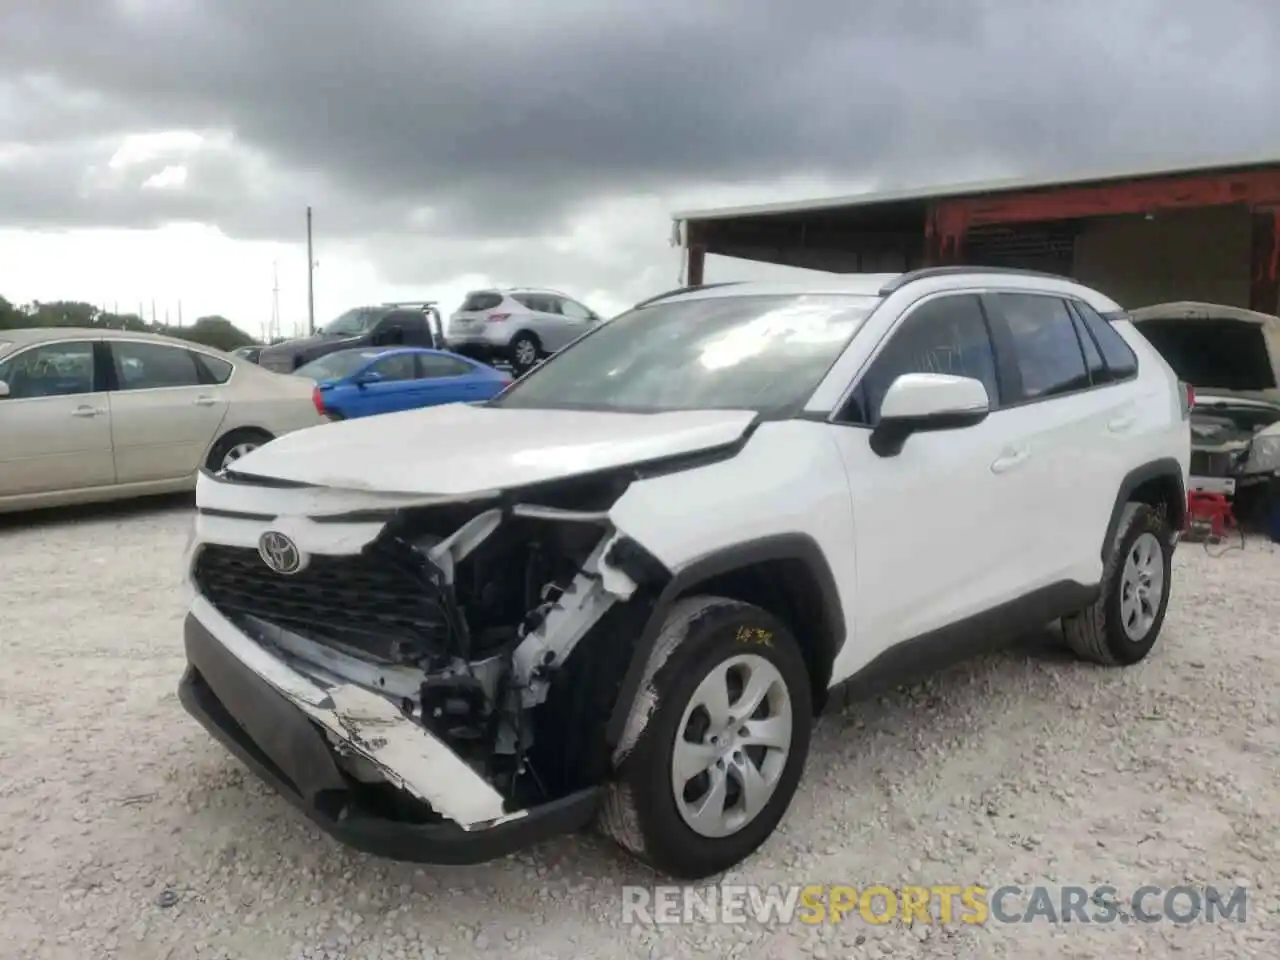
point(391, 387)
point(933, 539)
point(55, 422)
point(163, 418)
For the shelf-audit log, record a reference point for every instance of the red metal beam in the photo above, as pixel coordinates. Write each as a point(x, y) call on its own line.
point(1264, 282)
point(1127, 197)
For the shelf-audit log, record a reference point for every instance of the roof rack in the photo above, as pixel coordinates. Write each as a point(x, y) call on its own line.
point(925, 273)
point(682, 290)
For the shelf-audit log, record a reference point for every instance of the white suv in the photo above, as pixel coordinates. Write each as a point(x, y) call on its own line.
point(519, 326)
point(621, 591)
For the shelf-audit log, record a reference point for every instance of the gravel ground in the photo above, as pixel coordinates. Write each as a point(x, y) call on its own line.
point(125, 831)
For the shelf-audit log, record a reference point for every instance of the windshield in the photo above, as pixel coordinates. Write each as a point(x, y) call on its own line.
point(351, 324)
point(335, 366)
point(732, 353)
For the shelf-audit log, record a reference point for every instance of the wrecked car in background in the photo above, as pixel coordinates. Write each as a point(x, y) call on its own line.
point(1230, 356)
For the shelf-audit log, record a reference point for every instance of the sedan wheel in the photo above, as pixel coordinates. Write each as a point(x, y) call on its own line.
point(236, 452)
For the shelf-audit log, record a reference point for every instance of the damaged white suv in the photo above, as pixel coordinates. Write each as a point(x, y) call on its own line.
point(621, 591)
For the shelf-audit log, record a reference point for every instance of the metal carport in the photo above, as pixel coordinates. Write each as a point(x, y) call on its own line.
point(1206, 232)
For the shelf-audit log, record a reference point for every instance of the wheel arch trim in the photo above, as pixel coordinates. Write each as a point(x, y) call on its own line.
point(790, 546)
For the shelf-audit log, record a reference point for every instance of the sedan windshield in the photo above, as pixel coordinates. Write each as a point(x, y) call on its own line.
point(351, 324)
point(758, 353)
point(335, 366)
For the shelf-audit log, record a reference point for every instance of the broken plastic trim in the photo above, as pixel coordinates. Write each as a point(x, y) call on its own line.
point(371, 726)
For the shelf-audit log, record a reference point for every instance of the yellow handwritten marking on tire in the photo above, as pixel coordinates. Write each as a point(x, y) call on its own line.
point(756, 635)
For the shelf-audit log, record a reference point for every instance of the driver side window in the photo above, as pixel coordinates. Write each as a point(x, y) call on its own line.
point(574, 310)
point(945, 335)
point(50, 370)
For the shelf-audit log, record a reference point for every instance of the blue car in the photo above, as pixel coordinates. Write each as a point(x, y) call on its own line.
point(365, 382)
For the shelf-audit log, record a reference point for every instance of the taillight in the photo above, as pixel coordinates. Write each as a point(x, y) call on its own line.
point(496, 317)
point(1188, 399)
point(318, 400)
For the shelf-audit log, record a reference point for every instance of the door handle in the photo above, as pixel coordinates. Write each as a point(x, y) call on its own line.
point(83, 411)
point(1010, 459)
point(1121, 423)
point(205, 401)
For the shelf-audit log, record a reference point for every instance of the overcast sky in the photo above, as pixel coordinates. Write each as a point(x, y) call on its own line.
point(167, 149)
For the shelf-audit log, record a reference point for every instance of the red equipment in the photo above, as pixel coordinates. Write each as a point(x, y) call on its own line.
point(1208, 514)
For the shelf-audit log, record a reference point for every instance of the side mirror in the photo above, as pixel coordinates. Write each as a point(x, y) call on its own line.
point(371, 376)
point(4, 389)
point(925, 402)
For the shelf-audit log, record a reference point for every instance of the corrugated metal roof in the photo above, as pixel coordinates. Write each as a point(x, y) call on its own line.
point(917, 194)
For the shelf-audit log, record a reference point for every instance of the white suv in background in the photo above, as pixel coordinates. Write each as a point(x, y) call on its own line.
point(517, 325)
point(621, 591)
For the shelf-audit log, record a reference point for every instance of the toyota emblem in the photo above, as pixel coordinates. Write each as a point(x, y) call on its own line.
point(280, 553)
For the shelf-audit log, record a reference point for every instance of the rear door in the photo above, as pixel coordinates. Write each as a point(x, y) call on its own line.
point(1071, 420)
point(450, 380)
point(545, 319)
point(164, 416)
point(55, 424)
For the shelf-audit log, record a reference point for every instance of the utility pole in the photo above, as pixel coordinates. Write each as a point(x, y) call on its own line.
point(179, 314)
point(311, 293)
point(273, 330)
point(153, 312)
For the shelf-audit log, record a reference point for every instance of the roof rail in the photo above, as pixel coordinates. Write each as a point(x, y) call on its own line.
point(411, 303)
point(681, 290)
point(925, 273)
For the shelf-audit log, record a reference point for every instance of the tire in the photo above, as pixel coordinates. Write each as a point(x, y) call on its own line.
point(235, 445)
point(704, 638)
point(1113, 632)
point(524, 352)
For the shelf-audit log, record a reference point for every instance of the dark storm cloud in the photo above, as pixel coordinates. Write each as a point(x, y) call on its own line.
point(504, 118)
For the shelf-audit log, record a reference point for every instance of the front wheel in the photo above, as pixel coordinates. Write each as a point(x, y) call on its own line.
point(710, 773)
point(233, 446)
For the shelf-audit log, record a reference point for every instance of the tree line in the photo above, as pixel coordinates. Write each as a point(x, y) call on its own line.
point(211, 331)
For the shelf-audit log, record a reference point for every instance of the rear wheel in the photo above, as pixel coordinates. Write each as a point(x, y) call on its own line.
point(233, 446)
point(525, 350)
point(715, 766)
point(1122, 625)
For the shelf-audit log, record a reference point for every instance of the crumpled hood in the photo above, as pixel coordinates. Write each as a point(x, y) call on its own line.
point(461, 449)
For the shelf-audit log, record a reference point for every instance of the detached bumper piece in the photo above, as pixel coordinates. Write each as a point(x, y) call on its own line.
point(275, 739)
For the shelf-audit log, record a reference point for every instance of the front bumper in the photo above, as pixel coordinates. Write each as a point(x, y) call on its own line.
point(248, 710)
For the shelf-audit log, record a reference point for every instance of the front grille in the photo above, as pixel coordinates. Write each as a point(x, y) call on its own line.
point(365, 602)
point(1212, 464)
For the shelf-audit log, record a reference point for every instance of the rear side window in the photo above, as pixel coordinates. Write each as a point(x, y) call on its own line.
point(945, 335)
point(482, 300)
point(537, 302)
point(1046, 348)
point(397, 367)
point(432, 366)
point(152, 366)
point(212, 369)
point(1120, 360)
